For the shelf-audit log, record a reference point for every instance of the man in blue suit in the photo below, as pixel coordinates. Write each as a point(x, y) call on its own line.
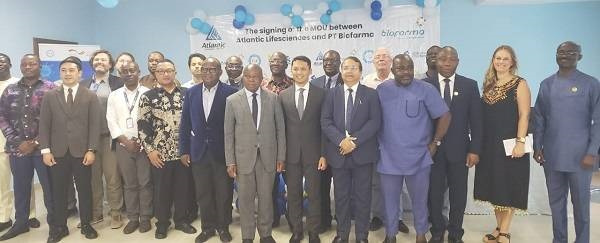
point(566, 140)
point(350, 119)
point(457, 152)
point(202, 145)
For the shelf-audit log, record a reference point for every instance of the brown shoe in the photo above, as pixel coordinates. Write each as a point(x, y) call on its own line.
point(145, 226)
point(116, 222)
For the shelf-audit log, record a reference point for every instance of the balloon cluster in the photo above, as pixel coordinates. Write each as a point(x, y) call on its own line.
point(326, 9)
point(428, 3)
point(198, 24)
point(294, 12)
point(242, 17)
point(108, 3)
point(375, 7)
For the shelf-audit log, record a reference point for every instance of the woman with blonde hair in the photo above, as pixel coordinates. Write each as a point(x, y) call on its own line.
point(501, 180)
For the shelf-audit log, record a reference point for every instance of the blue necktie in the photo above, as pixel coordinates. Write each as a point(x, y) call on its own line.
point(349, 108)
point(447, 93)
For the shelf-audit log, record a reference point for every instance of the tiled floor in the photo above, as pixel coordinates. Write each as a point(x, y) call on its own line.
point(525, 229)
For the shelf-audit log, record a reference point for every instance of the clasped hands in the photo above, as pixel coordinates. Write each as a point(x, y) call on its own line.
point(347, 145)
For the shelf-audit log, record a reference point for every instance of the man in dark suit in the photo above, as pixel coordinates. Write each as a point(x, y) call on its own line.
point(70, 130)
point(254, 151)
point(305, 155)
point(457, 152)
point(331, 79)
point(201, 145)
point(102, 83)
point(350, 118)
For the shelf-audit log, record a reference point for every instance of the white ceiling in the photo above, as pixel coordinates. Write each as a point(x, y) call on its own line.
point(510, 2)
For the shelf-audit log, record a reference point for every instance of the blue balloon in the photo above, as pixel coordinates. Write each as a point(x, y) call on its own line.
point(205, 28)
point(240, 16)
point(376, 5)
point(325, 19)
point(297, 21)
point(240, 8)
point(285, 9)
point(238, 24)
point(249, 19)
point(334, 5)
point(420, 3)
point(376, 15)
point(196, 23)
point(108, 3)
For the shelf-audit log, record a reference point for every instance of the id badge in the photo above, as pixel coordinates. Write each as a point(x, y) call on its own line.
point(129, 122)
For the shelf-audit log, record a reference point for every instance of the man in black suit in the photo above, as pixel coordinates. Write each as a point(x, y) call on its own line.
point(102, 83)
point(457, 152)
point(305, 155)
point(350, 119)
point(331, 79)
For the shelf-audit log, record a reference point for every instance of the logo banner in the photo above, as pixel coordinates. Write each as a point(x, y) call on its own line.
point(52, 54)
point(403, 29)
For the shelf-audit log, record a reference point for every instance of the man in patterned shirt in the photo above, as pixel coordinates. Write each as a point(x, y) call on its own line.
point(19, 116)
point(158, 128)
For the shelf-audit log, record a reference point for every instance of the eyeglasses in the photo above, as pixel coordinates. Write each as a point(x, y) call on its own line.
point(234, 66)
point(209, 70)
point(168, 71)
point(276, 61)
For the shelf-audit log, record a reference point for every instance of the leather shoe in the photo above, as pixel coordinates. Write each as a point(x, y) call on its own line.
point(436, 239)
point(362, 241)
point(339, 239)
point(224, 235)
point(88, 231)
point(453, 240)
point(34, 223)
point(145, 226)
point(389, 239)
point(296, 237)
point(57, 234)
point(313, 237)
point(375, 224)
point(268, 239)
point(131, 227)
point(13, 232)
point(402, 227)
point(204, 236)
point(5, 225)
point(247, 241)
point(186, 228)
point(161, 233)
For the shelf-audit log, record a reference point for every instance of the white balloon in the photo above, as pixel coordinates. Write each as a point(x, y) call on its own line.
point(430, 3)
point(367, 5)
point(384, 4)
point(322, 7)
point(199, 13)
point(297, 9)
point(189, 29)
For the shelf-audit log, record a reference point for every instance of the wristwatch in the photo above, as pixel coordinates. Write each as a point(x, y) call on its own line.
point(437, 142)
point(91, 150)
point(520, 139)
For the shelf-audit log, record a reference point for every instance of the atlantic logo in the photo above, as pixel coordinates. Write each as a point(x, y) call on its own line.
point(214, 40)
point(319, 60)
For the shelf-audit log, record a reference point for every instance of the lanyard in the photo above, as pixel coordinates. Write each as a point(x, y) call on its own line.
point(130, 107)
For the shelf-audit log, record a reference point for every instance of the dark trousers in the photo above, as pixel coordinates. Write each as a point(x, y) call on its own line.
point(295, 172)
point(352, 193)
point(214, 191)
point(277, 210)
point(22, 171)
point(172, 187)
point(326, 216)
point(61, 175)
point(451, 175)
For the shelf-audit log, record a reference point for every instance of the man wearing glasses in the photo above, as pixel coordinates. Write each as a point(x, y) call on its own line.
point(201, 145)
point(159, 116)
point(233, 68)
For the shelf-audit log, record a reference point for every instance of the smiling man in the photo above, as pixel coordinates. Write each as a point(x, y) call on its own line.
point(102, 83)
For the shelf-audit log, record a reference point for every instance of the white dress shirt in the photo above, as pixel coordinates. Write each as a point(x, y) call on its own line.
point(443, 84)
point(372, 80)
point(346, 93)
point(334, 80)
point(249, 97)
point(117, 111)
point(305, 93)
point(74, 88)
point(208, 95)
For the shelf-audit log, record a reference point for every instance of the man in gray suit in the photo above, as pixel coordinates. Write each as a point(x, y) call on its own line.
point(70, 130)
point(254, 150)
point(305, 155)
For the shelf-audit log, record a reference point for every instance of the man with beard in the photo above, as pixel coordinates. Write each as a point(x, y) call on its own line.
point(102, 83)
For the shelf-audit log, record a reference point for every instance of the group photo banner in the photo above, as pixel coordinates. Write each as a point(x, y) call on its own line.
point(402, 29)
